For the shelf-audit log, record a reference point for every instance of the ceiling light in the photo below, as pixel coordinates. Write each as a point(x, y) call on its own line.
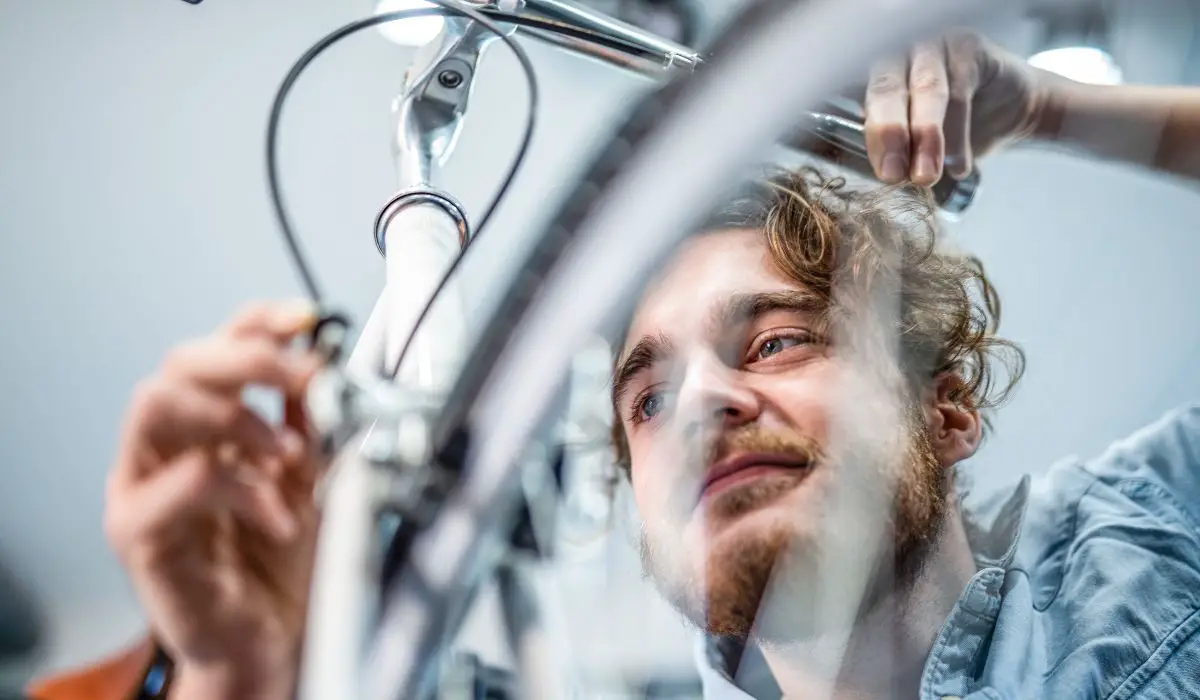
point(1085, 64)
point(1076, 43)
point(416, 31)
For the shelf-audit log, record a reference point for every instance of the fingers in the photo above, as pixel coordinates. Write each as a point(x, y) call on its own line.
point(195, 486)
point(962, 57)
point(928, 95)
point(196, 400)
point(195, 404)
point(134, 512)
point(279, 321)
point(228, 364)
point(886, 120)
point(169, 415)
point(918, 111)
point(256, 502)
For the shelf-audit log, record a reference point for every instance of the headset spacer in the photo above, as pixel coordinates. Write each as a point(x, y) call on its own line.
point(420, 195)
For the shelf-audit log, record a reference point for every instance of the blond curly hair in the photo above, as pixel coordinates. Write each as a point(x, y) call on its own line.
point(827, 236)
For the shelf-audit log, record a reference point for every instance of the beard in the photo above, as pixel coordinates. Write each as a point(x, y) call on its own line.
point(794, 565)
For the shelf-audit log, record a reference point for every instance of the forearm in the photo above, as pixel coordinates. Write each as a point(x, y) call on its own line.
point(1152, 126)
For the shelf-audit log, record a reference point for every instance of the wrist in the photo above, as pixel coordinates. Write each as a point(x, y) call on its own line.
point(1054, 96)
point(228, 683)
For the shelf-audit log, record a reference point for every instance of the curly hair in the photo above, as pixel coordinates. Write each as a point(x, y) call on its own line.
point(847, 245)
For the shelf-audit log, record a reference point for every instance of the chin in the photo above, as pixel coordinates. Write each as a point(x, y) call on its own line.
point(738, 564)
point(730, 547)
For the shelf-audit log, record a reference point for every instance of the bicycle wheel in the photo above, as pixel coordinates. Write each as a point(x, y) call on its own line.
point(620, 223)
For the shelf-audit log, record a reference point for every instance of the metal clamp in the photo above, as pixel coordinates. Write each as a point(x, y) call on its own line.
point(420, 195)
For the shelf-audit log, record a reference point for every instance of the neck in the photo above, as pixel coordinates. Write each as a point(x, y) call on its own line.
point(882, 653)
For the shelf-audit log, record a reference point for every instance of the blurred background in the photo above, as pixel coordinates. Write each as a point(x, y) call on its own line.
point(134, 215)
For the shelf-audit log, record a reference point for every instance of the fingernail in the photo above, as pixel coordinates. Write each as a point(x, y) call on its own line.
point(894, 167)
point(926, 170)
point(299, 311)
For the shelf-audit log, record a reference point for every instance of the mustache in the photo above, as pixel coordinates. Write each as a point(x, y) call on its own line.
point(751, 438)
point(756, 438)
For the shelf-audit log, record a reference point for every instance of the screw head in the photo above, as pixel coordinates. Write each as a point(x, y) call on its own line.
point(450, 79)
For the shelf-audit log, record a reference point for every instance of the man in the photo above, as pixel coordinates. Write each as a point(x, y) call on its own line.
point(792, 396)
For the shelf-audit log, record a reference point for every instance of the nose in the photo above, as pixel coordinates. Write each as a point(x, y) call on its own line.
point(714, 396)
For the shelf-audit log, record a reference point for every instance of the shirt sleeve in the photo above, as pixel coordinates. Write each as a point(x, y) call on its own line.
point(1165, 453)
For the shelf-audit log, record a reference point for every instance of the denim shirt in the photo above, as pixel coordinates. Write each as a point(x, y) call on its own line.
point(1088, 582)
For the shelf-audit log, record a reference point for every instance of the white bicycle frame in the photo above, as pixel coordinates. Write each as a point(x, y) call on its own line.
point(423, 230)
point(424, 233)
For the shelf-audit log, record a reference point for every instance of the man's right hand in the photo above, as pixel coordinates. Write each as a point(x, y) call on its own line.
point(211, 508)
point(947, 103)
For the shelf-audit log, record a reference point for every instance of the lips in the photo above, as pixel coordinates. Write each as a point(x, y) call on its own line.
point(739, 467)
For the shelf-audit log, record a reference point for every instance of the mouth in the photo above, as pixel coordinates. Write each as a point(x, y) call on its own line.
point(741, 468)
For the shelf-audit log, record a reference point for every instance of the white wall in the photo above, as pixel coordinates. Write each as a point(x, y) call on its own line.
point(133, 214)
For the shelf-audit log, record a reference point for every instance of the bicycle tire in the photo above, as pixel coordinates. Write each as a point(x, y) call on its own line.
point(508, 381)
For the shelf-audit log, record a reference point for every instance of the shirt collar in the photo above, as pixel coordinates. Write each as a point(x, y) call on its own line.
point(993, 523)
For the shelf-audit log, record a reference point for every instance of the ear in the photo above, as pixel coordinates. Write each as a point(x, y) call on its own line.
point(955, 426)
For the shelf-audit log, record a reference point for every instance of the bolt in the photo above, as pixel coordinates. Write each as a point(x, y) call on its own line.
point(450, 79)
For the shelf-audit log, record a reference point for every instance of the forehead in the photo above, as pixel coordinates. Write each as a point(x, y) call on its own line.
point(708, 270)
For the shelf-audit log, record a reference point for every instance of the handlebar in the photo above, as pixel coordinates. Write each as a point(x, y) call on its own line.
point(831, 133)
point(629, 46)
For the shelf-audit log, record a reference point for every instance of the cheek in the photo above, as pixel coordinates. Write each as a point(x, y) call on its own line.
point(657, 474)
point(647, 476)
point(803, 400)
point(643, 487)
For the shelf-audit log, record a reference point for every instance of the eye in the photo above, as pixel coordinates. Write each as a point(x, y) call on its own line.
point(777, 344)
point(649, 405)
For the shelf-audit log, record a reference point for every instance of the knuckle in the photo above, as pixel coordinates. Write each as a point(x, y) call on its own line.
point(929, 83)
point(886, 85)
point(964, 39)
point(147, 396)
point(264, 363)
point(261, 357)
point(182, 357)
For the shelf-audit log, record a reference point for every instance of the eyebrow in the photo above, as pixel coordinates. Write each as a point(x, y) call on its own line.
point(738, 309)
point(649, 351)
point(741, 308)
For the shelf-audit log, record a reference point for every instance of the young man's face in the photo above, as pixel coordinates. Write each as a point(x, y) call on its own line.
point(758, 445)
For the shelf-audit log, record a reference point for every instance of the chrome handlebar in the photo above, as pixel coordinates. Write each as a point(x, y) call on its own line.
point(429, 111)
point(631, 47)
